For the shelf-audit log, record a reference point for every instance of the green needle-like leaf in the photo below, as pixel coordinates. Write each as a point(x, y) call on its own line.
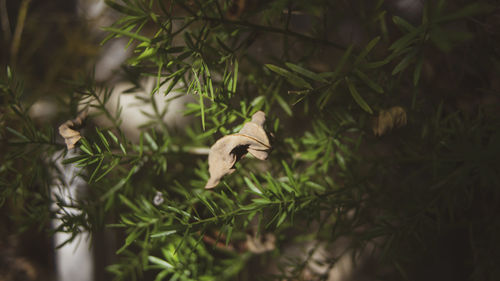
point(359, 100)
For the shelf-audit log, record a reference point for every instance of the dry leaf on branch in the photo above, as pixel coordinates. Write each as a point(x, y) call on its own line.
point(227, 150)
point(394, 117)
point(68, 132)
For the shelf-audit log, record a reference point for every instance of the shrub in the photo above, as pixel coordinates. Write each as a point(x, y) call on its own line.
point(383, 128)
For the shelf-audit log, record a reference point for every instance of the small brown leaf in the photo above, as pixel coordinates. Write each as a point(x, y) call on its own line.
point(229, 149)
point(68, 132)
point(394, 117)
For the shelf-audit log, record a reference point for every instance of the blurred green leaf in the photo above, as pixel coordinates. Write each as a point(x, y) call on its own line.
point(160, 262)
point(359, 100)
point(374, 86)
point(127, 34)
point(307, 73)
point(367, 49)
point(403, 24)
point(290, 77)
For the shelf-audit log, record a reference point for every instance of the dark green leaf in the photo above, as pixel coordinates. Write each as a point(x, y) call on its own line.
point(359, 100)
point(404, 63)
point(367, 49)
point(417, 71)
point(281, 219)
point(403, 24)
point(103, 139)
point(341, 63)
point(405, 41)
point(123, 9)
point(374, 86)
point(284, 105)
point(290, 77)
point(129, 203)
point(307, 73)
point(127, 34)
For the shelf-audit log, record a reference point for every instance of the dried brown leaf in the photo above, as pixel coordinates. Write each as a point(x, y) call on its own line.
point(227, 150)
point(394, 117)
point(68, 130)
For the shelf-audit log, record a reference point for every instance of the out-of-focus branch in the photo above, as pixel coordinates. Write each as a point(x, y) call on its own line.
point(4, 18)
point(16, 40)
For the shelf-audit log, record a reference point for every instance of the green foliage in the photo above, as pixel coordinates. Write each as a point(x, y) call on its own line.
point(327, 178)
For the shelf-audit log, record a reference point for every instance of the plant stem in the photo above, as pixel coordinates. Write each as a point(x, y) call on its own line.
point(4, 18)
point(16, 41)
point(270, 29)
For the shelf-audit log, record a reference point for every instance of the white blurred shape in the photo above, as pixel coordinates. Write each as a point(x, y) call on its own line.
point(74, 260)
point(110, 59)
point(43, 110)
point(136, 112)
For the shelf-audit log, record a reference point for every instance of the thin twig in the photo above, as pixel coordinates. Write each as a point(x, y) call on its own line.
point(271, 29)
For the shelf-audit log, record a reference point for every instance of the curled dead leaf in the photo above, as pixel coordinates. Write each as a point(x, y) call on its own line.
point(68, 130)
point(227, 150)
point(394, 117)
